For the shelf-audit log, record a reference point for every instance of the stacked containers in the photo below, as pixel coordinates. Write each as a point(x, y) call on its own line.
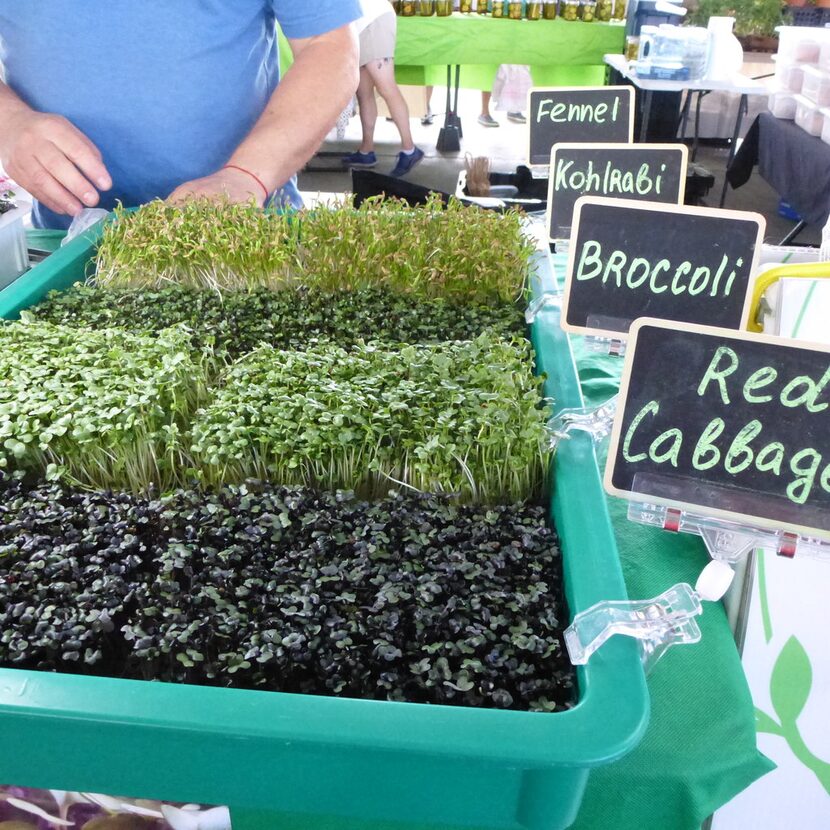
point(808, 115)
point(802, 80)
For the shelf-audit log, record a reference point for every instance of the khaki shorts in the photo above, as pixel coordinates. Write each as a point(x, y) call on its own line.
point(377, 40)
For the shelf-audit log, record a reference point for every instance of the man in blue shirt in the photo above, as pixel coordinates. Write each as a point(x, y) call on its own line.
point(118, 100)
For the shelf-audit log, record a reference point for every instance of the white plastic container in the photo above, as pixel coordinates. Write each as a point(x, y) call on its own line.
point(808, 115)
point(824, 54)
point(825, 130)
point(800, 43)
point(816, 86)
point(726, 55)
point(782, 103)
point(789, 76)
point(14, 254)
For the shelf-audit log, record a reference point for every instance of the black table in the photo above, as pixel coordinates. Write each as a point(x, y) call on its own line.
point(795, 164)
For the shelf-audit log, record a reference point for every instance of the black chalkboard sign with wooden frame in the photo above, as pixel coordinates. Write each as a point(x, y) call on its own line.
point(579, 113)
point(644, 172)
point(725, 424)
point(631, 259)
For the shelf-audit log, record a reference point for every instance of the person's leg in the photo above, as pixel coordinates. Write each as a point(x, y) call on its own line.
point(485, 103)
point(485, 119)
point(365, 155)
point(428, 115)
point(368, 109)
point(382, 75)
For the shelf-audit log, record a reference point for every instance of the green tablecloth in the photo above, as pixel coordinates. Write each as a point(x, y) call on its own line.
point(559, 52)
point(700, 747)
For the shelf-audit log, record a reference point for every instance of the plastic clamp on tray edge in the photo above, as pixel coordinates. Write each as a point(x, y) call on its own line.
point(597, 421)
point(657, 624)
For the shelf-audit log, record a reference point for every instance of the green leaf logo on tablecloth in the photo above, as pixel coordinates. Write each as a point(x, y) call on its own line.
point(792, 678)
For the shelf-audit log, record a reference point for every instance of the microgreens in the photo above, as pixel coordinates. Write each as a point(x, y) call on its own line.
point(459, 253)
point(412, 598)
point(198, 244)
point(460, 417)
point(237, 322)
point(99, 408)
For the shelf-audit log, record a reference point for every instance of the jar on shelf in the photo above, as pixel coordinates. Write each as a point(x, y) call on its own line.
point(443, 8)
point(588, 10)
point(514, 9)
point(497, 8)
point(619, 10)
point(408, 8)
point(549, 9)
point(533, 10)
point(605, 9)
point(426, 8)
point(465, 6)
point(569, 10)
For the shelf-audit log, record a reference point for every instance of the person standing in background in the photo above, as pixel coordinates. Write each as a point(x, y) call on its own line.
point(510, 88)
point(377, 31)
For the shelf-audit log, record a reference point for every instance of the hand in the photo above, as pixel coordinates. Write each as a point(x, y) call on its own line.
point(227, 184)
point(54, 161)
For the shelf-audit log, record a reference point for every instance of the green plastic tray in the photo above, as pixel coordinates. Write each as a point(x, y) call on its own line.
point(300, 761)
point(45, 240)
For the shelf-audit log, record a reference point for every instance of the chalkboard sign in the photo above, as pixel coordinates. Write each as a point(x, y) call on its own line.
point(723, 423)
point(582, 113)
point(643, 259)
point(644, 172)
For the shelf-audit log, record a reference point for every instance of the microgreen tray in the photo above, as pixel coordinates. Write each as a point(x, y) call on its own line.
point(295, 761)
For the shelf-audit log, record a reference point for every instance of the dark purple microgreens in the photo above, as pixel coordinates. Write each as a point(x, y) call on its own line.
point(409, 598)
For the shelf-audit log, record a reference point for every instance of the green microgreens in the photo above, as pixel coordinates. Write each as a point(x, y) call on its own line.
point(99, 408)
point(461, 253)
point(460, 417)
point(198, 244)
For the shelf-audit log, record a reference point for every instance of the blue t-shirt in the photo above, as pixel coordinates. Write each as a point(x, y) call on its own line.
point(166, 89)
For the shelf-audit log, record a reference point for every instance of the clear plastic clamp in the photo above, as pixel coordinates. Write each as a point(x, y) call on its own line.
point(545, 300)
point(657, 624)
point(597, 421)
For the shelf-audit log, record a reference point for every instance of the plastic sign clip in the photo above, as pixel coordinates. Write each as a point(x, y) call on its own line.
point(605, 345)
point(595, 420)
point(657, 624)
point(729, 541)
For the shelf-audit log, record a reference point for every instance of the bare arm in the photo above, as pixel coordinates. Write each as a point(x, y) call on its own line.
point(300, 113)
point(49, 157)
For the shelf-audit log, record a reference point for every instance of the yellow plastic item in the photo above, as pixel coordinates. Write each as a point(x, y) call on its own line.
point(809, 270)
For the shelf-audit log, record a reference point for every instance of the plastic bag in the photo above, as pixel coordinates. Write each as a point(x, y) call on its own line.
point(83, 221)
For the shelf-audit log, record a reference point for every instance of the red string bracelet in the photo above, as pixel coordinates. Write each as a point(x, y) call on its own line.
point(252, 175)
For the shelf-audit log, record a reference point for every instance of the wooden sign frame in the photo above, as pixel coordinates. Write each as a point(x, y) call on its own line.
point(629, 90)
point(677, 147)
point(690, 507)
point(632, 204)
